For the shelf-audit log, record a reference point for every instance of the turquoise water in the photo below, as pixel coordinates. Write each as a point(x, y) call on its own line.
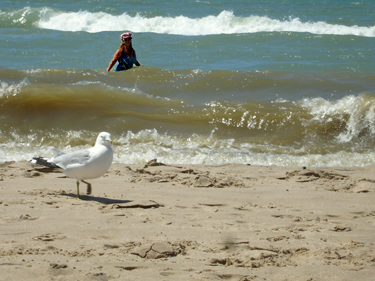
point(260, 82)
point(226, 35)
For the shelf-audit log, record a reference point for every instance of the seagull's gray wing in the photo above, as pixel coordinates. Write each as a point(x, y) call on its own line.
point(80, 157)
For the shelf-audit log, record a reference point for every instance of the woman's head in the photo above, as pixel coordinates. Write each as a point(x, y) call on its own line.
point(126, 45)
point(126, 37)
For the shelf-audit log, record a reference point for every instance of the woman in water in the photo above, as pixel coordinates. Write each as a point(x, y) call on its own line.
point(125, 55)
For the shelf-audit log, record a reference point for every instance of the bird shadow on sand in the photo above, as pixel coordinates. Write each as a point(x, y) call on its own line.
point(101, 200)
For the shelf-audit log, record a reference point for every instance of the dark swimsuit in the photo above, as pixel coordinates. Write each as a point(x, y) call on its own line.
point(125, 62)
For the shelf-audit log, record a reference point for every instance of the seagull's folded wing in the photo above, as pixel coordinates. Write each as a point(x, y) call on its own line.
point(77, 158)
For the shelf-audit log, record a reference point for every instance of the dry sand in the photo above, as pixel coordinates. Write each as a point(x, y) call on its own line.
point(188, 222)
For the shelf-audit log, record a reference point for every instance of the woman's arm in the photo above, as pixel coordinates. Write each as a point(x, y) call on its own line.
point(113, 61)
point(137, 62)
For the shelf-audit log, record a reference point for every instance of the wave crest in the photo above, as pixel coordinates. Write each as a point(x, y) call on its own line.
point(224, 23)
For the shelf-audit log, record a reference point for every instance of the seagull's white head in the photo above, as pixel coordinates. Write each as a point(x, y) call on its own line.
point(104, 138)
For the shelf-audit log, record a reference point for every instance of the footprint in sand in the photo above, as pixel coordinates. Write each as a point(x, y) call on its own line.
point(48, 237)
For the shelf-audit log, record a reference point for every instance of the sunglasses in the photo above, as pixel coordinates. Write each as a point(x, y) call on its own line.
point(128, 39)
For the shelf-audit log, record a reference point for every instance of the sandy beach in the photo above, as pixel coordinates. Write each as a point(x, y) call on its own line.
point(188, 222)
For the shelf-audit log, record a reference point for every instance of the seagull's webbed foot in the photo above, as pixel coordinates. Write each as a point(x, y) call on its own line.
point(89, 189)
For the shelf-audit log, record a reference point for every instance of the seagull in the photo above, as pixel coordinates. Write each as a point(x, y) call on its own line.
point(83, 164)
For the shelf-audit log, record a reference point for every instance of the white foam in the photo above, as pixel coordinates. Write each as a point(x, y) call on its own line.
point(224, 23)
point(356, 112)
point(145, 145)
point(12, 89)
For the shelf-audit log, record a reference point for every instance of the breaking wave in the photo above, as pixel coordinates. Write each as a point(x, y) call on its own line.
point(224, 23)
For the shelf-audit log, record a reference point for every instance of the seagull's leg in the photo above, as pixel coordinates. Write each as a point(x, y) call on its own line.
point(88, 187)
point(78, 196)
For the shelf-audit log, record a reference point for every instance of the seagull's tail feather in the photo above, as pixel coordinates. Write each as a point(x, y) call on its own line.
point(44, 162)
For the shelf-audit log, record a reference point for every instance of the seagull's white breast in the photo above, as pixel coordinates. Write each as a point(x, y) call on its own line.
point(99, 160)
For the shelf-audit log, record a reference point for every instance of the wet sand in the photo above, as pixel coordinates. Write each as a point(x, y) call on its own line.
point(188, 222)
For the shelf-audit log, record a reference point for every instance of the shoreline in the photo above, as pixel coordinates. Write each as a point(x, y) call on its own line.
point(188, 222)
